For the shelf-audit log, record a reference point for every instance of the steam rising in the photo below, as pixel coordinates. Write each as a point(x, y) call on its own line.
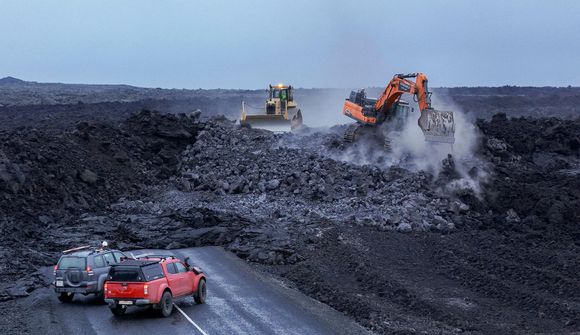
point(321, 107)
point(410, 150)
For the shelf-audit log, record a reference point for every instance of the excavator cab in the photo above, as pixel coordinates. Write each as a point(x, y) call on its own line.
point(280, 111)
point(362, 106)
point(401, 112)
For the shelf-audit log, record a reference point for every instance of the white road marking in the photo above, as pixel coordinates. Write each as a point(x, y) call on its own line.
point(190, 320)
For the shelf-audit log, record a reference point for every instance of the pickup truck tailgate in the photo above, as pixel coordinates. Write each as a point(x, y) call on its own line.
point(125, 290)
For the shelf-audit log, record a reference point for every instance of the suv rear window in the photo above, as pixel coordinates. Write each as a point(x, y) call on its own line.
point(153, 271)
point(118, 273)
point(72, 262)
point(118, 256)
point(109, 259)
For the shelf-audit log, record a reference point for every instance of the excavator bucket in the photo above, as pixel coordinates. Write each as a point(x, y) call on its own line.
point(437, 126)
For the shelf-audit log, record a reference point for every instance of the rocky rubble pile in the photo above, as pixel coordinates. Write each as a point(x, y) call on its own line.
point(180, 220)
point(537, 168)
point(229, 160)
point(43, 173)
point(516, 246)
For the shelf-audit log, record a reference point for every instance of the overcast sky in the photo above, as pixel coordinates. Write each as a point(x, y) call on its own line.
point(329, 43)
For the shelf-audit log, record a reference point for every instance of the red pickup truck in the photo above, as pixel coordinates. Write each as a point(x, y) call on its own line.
point(153, 281)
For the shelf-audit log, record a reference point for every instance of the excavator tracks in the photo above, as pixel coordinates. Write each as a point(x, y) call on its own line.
point(351, 133)
point(354, 132)
point(387, 144)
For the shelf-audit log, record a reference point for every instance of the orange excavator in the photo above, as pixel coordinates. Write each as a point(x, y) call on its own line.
point(378, 117)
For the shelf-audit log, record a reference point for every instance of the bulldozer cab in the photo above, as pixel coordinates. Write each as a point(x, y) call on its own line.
point(280, 100)
point(284, 93)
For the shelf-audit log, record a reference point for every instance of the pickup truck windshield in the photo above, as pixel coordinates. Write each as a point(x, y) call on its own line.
point(72, 262)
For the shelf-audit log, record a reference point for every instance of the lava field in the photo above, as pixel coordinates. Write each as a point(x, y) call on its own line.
point(489, 244)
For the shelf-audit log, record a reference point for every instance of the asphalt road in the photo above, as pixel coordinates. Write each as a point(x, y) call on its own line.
point(240, 301)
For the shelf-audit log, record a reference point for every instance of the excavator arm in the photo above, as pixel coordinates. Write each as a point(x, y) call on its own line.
point(399, 85)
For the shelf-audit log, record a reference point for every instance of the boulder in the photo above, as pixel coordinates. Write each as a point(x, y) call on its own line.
point(273, 184)
point(88, 176)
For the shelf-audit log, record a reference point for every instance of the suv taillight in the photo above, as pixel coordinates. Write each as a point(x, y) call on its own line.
point(89, 271)
point(55, 268)
point(146, 289)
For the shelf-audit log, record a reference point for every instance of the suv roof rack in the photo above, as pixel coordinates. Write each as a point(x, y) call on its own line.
point(84, 247)
point(93, 249)
point(156, 256)
point(135, 262)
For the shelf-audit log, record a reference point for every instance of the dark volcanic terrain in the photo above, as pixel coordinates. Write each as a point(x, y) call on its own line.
point(483, 244)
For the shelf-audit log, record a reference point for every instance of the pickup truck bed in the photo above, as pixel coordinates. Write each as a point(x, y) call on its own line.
point(153, 282)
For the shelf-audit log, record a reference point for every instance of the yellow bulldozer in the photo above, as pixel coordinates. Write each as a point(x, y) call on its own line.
point(280, 111)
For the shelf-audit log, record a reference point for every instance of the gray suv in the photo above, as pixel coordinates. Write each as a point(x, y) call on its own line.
point(83, 270)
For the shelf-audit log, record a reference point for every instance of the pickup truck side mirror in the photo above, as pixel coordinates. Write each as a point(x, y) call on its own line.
point(186, 261)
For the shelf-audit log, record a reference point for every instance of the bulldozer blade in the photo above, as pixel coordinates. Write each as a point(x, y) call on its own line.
point(276, 123)
point(437, 126)
point(296, 120)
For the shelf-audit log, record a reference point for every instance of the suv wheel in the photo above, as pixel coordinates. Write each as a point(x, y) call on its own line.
point(199, 296)
point(119, 310)
point(66, 297)
point(100, 296)
point(166, 304)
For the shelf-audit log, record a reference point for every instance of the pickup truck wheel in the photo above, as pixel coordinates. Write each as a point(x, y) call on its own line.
point(199, 296)
point(119, 310)
point(166, 304)
point(66, 297)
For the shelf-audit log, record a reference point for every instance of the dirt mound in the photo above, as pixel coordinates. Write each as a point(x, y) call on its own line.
point(537, 164)
point(515, 247)
point(88, 168)
point(527, 136)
